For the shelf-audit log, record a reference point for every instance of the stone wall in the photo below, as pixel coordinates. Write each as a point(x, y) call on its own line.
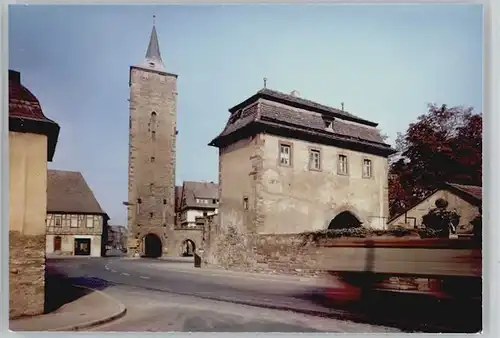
point(285, 254)
point(181, 236)
point(271, 254)
point(26, 274)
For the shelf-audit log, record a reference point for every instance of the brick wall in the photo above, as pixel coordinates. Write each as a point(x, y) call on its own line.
point(26, 274)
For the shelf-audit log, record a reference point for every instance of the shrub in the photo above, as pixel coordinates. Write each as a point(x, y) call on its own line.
point(439, 219)
point(359, 232)
point(430, 233)
point(441, 203)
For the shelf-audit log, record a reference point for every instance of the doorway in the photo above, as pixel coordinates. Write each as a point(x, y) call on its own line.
point(152, 246)
point(82, 246)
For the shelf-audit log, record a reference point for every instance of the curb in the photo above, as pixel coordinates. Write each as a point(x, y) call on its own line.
point(96, 322)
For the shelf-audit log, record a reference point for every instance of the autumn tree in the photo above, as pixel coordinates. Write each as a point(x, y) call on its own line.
point(443, 145)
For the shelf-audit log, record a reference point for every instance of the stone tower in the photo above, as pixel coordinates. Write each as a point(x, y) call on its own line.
point(152, 136)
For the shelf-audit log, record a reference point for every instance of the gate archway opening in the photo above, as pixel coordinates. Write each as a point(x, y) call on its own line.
point(344, 220)
point(188, 248)
point(152, 246)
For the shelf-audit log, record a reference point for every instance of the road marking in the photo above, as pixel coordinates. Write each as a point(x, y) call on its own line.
point(143, 277)
point(113, 270)
point(125, 274)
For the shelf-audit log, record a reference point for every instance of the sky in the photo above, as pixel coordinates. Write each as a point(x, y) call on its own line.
point(385, 62)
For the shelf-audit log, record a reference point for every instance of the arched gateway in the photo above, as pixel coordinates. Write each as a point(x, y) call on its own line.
point(152, 246)
point(345, 219)
point(188, 248)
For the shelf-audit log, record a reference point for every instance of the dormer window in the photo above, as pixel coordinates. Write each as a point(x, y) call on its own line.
point(328, 123)
point(235, 116)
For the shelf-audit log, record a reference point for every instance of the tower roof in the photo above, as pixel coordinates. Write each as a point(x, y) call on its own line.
point(153, 56)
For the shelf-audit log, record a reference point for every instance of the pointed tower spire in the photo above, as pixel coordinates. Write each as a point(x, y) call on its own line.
point(153, 56)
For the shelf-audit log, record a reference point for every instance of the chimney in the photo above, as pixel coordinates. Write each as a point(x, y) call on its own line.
point(14, 76)
point(295, 93)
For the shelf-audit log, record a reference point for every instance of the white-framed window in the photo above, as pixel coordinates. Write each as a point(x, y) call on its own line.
point(314, 159)
point(97, 221)
point(74, 221)
point(367, 168)
point(342, 165)
point(90, 221)
point(81, 221)
point(285, 154)
point(57, 220)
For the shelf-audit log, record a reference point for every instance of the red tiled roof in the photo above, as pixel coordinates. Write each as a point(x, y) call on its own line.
point(22, 103)
point(26, 115)
point(471, 190)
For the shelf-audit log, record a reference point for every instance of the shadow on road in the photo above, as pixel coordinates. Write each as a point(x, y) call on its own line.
point(61, 289)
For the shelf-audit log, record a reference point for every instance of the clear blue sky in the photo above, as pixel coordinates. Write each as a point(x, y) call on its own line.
point(386, 62)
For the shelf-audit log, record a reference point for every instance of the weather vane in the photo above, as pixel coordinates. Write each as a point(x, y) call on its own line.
point(154, 17)
point(265, 82)
point(342, 104)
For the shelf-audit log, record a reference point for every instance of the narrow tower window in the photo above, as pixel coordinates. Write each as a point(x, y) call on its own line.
point(152, 124)
point(152, 159)
point(138, 205)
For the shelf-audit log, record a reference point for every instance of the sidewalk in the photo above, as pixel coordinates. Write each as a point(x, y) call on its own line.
point(90, 310)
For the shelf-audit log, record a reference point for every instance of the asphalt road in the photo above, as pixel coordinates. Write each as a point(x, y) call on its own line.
point(172, 296)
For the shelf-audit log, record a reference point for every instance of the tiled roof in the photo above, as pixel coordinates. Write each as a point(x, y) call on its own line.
point(22, 103)
point(26, 115)
point(291, 99)
point(200, 190)
point(471, 190)
point(67, 191)
point(281, 111)
point(299, 102)
point(314, 121)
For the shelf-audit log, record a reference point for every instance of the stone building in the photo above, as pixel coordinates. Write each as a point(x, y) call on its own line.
point(289, 165)
point(152, 142)
point(194, 200)
point(466, 200)
point(32, 143)
point(117, 237)
point(76, 223)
